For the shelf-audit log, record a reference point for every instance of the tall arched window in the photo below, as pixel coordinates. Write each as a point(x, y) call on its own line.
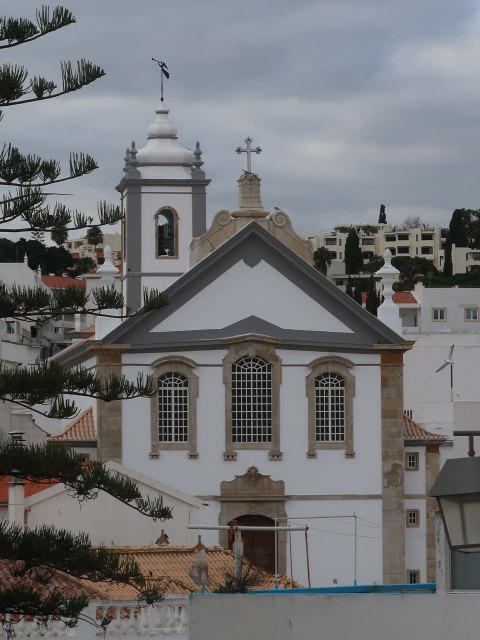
point(330, 408)
point(166, 233)
point(173, 408)
point(251, 400)
point(252, 374)
point(330, 391)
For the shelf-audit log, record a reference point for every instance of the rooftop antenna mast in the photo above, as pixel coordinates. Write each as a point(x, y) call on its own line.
point(163, 72)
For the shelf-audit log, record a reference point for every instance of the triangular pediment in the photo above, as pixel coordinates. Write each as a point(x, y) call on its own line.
point(255, 284)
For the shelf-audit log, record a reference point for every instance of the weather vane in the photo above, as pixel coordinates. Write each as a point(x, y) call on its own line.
point(163, 72)
point(249, 152)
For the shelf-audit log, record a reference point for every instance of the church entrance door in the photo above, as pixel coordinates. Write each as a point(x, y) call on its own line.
point(258, 546)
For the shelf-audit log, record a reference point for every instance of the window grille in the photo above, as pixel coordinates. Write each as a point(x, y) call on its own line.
point(251, 400)
point(413, 518)
point(413, 576)
point(411, 461)
point(173, 408)
point(330, 408)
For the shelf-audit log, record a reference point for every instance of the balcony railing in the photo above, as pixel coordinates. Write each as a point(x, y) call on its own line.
point(169, 617)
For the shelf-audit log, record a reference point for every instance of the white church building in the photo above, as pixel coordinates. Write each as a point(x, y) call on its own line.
point(280, 399)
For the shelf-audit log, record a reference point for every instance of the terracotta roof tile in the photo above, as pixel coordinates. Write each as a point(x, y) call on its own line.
point(61, 282)
point(414, 431)
point(169, 567)
point(69, 585)
point(82, 428)
point(30, 487)
point(404, 297)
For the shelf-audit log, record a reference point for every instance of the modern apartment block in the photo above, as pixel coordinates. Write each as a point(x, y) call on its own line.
point(375, 238)
point(81, 248)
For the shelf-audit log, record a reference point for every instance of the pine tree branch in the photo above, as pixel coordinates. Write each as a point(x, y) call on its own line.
point(17, 31)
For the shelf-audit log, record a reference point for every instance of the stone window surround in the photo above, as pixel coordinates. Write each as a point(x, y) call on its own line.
point(408, 465)
point(412, 518)
point(185, 366)
point(473, 313)
point(253, 346)
point(338, 365)
point(175, 232)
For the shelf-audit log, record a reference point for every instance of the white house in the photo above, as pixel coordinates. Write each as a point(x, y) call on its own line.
point(280, 399)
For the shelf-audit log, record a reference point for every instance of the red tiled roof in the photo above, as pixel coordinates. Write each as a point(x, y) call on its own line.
point(30, 487)
point(404, 297)
point(70, 586)
point(82, 428)
point(61, 282)
point(169, 568)
point(414, 431)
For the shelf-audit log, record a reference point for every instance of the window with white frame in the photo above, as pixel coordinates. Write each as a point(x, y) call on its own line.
point(330, 408)
point(173, 407)
point(439, 314)
point(251, 400)
point(411, 461)
point(471, 314)
point(413, 518)
point(330, 392)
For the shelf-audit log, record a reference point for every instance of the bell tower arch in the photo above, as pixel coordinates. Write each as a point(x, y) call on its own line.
point(163, 199)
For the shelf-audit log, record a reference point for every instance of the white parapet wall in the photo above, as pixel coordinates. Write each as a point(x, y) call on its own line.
point(424, 616)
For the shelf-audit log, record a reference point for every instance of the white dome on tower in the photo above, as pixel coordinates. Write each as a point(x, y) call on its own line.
point(163, 148)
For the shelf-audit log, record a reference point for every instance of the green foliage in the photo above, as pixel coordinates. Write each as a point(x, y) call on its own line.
point(82, 265)
point(382, 216)
point(250, 577)
point(349, 287)
point(372, 302)
point(447, 263)
point(458, 234)
point(469, 279)
point(94, 236)
point(322, 258)
point(374, 264)
point(411, 269)
point(471, 224)
point(47, 385)
point(353, 254)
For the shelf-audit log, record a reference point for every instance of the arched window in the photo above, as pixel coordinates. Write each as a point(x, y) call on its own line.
point(330, 408)
point(252, 374)
point(251, 400)
point(173, 408)
point(166, 233)
point(330, 391)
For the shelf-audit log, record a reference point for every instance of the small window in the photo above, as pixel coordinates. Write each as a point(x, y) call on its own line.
point(251, 401)
point(471, 314)
point(403, 236)
point(413, 518)
point(427, 236)
point(403, 250)
point(330, 408)
point(413, 576)
point(330, 242)
point(10, 326)
point(439, 314)
point(390, 238)
point(368, 241)
point(408, 413)
point(411, 461)
point(173, 408)
point(427, 251)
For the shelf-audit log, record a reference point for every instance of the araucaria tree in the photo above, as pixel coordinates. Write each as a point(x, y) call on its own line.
point(48, 389)
point(353, 253)
point(26, 208)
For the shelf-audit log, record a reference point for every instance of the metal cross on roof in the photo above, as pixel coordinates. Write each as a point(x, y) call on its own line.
point(249, 152)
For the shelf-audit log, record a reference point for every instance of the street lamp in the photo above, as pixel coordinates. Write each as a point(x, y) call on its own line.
point(457, 490)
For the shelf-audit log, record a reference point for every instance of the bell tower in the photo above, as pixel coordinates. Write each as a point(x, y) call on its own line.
point(163, 199)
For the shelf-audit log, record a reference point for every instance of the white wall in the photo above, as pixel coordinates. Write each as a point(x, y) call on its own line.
point(335, 617)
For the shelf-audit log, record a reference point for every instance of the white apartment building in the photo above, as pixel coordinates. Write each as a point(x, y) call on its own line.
point(81, 248)
point(375, 238)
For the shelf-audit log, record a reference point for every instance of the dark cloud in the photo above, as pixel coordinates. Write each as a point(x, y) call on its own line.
point(354, 103)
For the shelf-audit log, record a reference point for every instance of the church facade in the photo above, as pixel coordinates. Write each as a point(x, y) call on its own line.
point(280, 399)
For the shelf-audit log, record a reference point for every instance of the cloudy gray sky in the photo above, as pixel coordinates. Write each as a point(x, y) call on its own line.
point(354, 102)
